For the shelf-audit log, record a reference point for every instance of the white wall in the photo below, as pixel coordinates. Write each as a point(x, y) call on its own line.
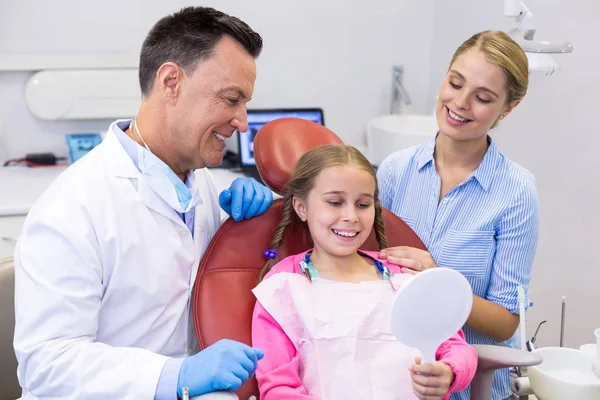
point(335, 54)
point(553, 133)
point(338, 55)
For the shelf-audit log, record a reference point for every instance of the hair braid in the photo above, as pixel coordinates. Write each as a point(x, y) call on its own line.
point(379, 226)
point(287, 216)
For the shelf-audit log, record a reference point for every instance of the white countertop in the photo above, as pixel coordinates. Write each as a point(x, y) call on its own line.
point(21, 186)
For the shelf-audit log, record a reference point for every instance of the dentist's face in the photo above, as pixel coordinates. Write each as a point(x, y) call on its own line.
point(339, 210)
point(210, 105)
point(472, 97)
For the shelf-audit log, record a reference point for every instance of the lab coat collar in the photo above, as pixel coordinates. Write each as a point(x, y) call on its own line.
point(152, 200)
point(121, 165)
point(118, 161)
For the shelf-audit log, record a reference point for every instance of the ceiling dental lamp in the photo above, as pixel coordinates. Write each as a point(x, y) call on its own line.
point(538, 51)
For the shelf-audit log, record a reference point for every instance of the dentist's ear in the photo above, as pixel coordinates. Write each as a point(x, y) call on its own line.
point(169, 77)
point(299, 207)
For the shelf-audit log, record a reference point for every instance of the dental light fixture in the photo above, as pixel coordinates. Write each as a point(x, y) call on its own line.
point(538, 51)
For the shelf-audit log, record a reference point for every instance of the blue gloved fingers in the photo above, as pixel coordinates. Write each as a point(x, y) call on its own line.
point(249, 193)
point(241, 190)
point(246, 198)
point(265, 197)
point(256, 200)
point(226, 364)
point(225, 201)
point(241, 375)
point(268, 199)
point(230, 382)
point(247, 363)
point(237, 192)
point(254, 354)
point(259, 353)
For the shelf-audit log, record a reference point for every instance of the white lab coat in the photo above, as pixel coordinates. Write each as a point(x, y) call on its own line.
point(104, 271)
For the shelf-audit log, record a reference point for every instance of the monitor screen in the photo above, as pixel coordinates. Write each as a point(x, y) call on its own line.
point(257, 118)
point(81, 143)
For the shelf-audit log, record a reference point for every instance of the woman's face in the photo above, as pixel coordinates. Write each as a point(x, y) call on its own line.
point(472, 97)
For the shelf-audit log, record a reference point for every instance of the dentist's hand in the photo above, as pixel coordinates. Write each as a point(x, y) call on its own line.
point(431, 381)
point(411, 259)
point(245, 198)
point(225, 365)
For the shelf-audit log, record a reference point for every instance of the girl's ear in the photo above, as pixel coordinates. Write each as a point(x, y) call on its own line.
point(299, 207)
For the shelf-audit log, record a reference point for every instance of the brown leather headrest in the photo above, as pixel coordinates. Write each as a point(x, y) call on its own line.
point(279, 144)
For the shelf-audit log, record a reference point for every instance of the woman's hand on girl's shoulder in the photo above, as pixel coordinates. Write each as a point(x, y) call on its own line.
point(411, 259)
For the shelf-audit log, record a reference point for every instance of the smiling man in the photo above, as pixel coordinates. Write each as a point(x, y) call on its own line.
point(108, 255)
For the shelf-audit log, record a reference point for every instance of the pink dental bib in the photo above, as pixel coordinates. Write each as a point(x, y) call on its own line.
point(342, 333)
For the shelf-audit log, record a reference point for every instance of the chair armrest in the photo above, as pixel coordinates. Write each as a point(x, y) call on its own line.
point(495, 357)
point(491, 358)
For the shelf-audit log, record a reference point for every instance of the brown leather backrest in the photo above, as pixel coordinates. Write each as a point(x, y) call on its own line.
point(279, 145)
point(222, 301)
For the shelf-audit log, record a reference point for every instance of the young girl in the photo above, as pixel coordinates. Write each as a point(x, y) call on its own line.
point(322, 317)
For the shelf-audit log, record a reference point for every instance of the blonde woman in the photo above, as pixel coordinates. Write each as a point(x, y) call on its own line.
point(476, 210)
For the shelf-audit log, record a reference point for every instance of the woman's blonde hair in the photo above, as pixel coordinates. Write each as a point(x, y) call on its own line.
point(499, 49)
point(303, 180)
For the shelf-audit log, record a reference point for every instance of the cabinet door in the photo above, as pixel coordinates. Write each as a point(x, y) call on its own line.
point(10, 227)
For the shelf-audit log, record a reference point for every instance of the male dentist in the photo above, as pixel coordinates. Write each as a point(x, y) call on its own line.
point(108, 256)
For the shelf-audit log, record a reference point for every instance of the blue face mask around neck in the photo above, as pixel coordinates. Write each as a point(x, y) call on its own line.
point(161, 178)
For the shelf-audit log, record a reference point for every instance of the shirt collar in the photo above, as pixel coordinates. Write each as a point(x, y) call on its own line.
point(118, 128)
point(425, 155)
point(484, 172)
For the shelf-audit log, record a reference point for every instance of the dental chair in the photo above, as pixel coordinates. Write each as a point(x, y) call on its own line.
point(222, 301)
point(9, 384)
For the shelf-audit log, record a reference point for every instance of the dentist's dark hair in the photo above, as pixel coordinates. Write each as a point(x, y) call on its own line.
point(303, 180)
point(189, 37)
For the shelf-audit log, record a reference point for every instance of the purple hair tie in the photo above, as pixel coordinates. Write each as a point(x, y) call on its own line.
point(271, 253)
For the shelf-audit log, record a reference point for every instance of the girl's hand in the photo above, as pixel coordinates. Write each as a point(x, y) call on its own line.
point(431, 381)
point(411, 259)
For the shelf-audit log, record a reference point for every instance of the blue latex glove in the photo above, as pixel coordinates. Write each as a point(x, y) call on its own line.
point(225, 365)
point(245, 198)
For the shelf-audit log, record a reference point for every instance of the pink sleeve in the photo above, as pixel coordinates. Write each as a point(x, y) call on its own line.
point(277, 373)
point(461, 357)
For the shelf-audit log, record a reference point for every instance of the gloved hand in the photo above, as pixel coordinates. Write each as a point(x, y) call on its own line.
point(245, 198)
point(225, 365)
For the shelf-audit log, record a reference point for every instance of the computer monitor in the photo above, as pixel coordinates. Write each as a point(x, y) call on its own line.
point(80, 144)
point(256, 119)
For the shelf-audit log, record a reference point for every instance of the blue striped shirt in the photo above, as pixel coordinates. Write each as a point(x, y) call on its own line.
point(486, 227)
